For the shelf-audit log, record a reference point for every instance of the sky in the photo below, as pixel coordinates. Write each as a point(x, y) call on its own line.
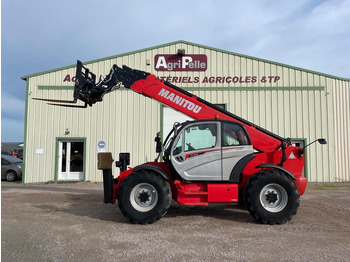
point(40, 35)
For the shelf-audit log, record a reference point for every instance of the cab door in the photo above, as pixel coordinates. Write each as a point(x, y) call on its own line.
point(196, 154)
point(235, 146)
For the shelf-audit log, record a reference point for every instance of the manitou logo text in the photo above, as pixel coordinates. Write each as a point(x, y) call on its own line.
point(180, 63)
point(179, 100)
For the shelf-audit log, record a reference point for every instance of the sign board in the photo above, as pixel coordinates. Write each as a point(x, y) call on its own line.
point(101, 144)
point(39, 151)
point(180, 63)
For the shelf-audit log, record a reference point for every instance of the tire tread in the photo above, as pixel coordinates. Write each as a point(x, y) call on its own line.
point(147, 217)
point(251, 202)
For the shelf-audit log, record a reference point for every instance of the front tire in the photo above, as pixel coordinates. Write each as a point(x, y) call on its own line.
point(144, 197)
point(271, 197)
point(11, 176)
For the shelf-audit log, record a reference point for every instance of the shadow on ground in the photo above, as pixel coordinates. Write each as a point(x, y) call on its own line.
point(88, 203)
point(89, 206)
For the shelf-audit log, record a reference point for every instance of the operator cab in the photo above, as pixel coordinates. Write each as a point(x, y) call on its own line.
point(207, 150)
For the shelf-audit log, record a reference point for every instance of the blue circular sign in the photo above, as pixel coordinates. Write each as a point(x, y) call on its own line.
point(101, 144)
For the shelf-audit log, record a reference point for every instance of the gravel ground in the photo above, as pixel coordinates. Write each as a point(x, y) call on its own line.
point(69, 222)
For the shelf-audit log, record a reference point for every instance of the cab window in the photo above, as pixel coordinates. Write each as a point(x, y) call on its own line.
point(201, 136)
point(178, 148)
point(234, 135)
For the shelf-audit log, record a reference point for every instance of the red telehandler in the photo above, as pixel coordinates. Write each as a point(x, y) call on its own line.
point(217, 158)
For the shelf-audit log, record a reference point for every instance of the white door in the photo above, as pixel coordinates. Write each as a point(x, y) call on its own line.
point(71, 160)
point(196, 155)
point(235, 146)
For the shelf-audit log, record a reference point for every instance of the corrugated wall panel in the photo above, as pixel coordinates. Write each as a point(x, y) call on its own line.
point(312, 111)
point(341, 98)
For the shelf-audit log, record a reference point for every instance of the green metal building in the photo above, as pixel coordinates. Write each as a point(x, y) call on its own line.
point(62, 143)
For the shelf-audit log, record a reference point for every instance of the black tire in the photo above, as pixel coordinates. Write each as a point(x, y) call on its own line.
point(144, 197)
point(271, 197)
point(11, 176)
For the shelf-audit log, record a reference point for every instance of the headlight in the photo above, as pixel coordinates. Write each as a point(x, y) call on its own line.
point(20, 167)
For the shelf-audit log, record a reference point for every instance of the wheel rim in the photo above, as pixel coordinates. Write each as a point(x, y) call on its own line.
point(274, 198)
point(143, 197)
point(10, 176)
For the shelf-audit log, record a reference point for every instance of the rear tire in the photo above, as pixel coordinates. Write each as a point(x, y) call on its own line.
point(144, 197)
point(271, 197)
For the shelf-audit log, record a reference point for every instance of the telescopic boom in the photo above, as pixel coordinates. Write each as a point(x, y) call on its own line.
point(89, 91)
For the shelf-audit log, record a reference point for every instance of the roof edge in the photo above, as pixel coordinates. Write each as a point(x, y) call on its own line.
point(25, 77)
point(268, 61)
point(194, 44)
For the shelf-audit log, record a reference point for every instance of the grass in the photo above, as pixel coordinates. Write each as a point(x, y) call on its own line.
point(326, 186)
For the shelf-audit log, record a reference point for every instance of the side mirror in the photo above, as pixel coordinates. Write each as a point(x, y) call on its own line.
point(322, 141)
point(158, 143)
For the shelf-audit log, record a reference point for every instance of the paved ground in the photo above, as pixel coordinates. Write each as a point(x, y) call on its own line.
point(68, 222)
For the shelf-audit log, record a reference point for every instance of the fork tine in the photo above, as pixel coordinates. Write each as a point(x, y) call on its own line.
point(57, 101)
point(77, 106)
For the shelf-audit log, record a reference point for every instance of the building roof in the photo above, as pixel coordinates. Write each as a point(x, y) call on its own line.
point(193, 44)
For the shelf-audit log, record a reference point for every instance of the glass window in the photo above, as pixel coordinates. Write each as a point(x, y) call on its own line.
point(77, 157)
point(200, 136)
point(5, 162)
point(11, 159)
point(178, 147)
point(234, 135)
point(64, 157)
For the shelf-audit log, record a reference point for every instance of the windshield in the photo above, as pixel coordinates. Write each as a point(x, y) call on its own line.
point(11, 159)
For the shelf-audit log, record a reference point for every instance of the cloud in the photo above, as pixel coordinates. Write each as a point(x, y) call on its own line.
point(45, 35)
point(12, 106)
point(309, 34)
point(12, 130)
